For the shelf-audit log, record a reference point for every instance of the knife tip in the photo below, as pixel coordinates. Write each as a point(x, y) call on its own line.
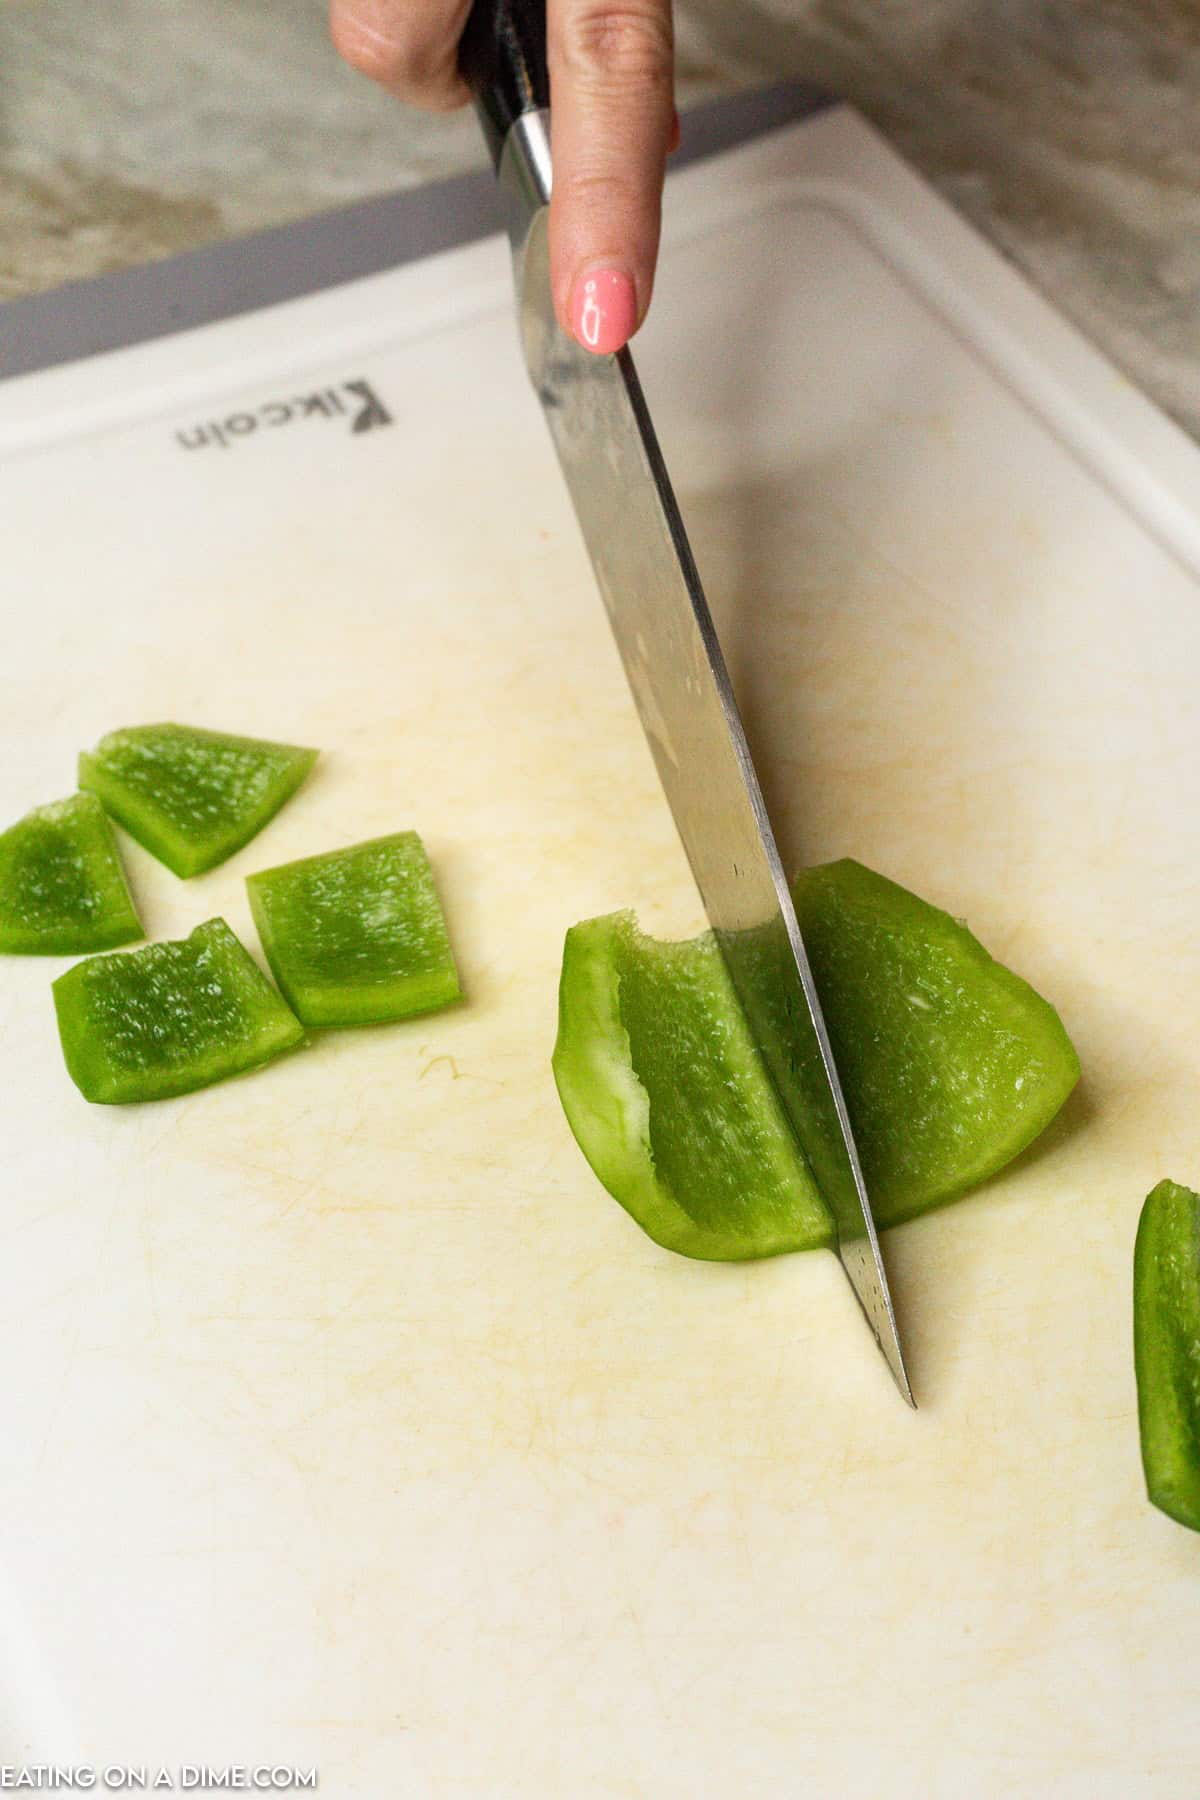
point(900, 1376)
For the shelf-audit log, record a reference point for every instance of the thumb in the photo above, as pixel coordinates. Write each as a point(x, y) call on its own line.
point(611, 87)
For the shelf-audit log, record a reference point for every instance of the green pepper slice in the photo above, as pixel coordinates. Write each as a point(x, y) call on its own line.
point(664, 1090)
point(950, 1065)
point(356, 936)
point(173, 1017)
point(62, 887)
point(190, 796)
point(1166, 1348)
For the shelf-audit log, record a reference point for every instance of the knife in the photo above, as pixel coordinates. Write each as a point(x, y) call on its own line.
point(647, 575)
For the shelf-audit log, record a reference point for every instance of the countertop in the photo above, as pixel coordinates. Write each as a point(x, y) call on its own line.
point(1069, 133)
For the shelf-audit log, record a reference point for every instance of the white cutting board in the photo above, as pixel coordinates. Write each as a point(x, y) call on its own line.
point(347, 1421)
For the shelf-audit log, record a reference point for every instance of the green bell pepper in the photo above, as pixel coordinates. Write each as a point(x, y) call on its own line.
point(189, 796)
point(356, 936)
point(664, 1090)
point(62, 887)
point(1166, 1348)
point(170, 1018)
point(950, 1065)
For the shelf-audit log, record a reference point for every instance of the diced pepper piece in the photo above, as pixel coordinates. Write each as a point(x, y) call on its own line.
point(1166, 1348)
point(663, 1087)
point(170, 1018)
point(950, 1065)
point(192, 797)
point(356, 936)
point(62, 887)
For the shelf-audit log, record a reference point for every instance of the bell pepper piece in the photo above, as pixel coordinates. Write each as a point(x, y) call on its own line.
point(189, 796)
point(170, 1018)
point(356, 936)
point(665, 1093)
point(62, 887)
point(1166, 1348)
point(950, 1065)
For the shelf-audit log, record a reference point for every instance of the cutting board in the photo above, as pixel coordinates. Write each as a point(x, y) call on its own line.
point(348, 1422)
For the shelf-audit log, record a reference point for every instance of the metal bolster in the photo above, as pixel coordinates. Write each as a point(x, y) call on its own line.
point(525, 174)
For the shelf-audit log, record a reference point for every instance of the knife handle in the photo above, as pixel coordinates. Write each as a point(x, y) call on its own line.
point(502, 55)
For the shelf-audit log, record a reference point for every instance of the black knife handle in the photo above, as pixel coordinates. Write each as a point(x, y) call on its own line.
point(502, 55)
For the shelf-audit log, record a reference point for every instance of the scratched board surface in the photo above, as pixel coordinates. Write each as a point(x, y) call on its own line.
point(348, 1423)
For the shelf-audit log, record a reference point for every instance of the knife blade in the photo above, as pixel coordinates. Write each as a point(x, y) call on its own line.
point(644, 567)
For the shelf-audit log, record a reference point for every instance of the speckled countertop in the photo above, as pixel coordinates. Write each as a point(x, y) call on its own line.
point(1067, 130)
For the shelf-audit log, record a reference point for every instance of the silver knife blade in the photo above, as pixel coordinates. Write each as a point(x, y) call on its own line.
point(635, 536)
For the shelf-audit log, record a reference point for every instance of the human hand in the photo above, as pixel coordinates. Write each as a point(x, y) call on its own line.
point(612, 93)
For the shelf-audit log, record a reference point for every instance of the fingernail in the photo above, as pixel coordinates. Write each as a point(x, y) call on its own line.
point(603, 309)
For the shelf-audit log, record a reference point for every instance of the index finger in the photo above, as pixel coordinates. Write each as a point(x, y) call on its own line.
point(612, 101)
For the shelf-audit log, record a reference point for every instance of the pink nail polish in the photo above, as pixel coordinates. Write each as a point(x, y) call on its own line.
point(603, 309)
